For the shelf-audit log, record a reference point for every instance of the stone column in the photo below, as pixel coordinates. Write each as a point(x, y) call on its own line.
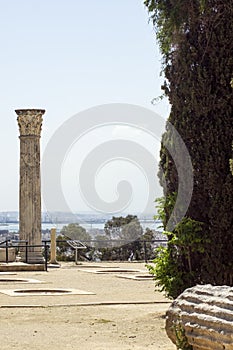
point(30, 122)
point(53, 247)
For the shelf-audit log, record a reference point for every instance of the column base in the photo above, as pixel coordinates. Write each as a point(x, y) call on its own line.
point(35, 258)
point(32, 258)
point(54, 262)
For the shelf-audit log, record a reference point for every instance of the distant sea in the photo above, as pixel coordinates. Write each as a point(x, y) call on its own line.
point(14, 227)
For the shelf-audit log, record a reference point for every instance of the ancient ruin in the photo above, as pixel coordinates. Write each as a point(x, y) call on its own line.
point(30, 123)
point(204, 315)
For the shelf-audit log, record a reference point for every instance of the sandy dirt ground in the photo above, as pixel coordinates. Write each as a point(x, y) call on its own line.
point(121, 314)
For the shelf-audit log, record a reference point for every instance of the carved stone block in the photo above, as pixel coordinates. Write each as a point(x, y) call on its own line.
point(205, 313)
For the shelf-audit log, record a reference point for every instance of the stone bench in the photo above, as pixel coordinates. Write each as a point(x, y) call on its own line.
point(204, 314)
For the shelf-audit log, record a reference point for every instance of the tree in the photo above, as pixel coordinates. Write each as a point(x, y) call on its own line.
point(64, 252)
point(132, 231)
point(231, 160)
point(195, 38)
point(126, 228)
point(128, 231)
point(102, 241)
point(75, 232)
point(147, 244)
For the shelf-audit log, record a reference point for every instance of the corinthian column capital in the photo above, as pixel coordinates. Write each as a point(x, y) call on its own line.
point(30, 121)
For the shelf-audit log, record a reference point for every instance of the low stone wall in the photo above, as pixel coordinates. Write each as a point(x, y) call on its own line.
point(205, 314)
point(11, 255)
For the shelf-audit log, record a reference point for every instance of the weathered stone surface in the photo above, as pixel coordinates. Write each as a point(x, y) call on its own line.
point(205, 312)
point(30, 123)
point(11, 254)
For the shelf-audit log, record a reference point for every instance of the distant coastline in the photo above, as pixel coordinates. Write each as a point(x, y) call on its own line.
point(14, 227)
point(9, 220)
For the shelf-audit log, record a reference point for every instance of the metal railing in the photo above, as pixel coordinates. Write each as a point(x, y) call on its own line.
point(8, 243)
point(114, 243)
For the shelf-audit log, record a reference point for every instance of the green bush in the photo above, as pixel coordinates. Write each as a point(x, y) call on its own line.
point(174, 266)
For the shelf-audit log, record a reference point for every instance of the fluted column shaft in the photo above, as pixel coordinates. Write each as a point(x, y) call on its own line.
point(30, 123)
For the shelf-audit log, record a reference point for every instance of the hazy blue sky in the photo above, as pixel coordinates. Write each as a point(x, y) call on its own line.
point(66, 56)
